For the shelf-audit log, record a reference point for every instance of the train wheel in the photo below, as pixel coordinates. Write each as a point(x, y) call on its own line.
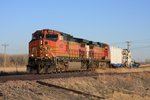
point(83, 65)
point(102, 65)
point(41, 69)
point(91, 65)
point(46, 69)
point(108, 64)
point(66, 66)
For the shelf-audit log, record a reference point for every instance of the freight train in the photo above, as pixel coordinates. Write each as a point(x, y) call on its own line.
point(54, 51)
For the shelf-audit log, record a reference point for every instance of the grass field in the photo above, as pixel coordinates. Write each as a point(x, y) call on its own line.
point(13, 69)
point(119, 70)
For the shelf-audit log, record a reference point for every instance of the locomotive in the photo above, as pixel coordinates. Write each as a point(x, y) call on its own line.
point(54, 51)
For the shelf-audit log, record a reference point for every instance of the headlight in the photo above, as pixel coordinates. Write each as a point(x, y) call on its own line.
point(32, 55)
point(41, 42)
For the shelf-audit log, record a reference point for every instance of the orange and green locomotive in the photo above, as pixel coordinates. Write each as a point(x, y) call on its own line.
point(54, 51)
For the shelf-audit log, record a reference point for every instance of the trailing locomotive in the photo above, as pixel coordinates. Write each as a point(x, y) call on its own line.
point(54, 51)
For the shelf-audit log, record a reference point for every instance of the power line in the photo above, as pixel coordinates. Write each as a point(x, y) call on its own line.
point(133, 41)
point(141, 47)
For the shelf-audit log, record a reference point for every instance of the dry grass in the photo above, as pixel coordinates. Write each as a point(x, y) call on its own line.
point(145, 65)
point(13, 69)
point(123, 70)
point(115, 70)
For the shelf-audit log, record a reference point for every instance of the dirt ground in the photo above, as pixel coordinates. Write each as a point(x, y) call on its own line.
point(134, 86)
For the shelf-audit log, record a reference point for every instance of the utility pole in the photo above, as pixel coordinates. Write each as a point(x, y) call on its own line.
point(128, 55)
point(4, 45)
point(128, 45)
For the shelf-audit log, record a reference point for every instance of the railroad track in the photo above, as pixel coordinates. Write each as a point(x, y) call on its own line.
point(26, 76)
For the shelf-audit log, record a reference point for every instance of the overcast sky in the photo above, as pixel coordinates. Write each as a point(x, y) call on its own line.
point(110, 21)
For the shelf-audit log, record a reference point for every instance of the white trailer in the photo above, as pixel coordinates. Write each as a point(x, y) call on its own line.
point(116, 56)
point(120, 57)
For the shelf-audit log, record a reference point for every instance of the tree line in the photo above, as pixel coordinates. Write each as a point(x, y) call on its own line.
point(14, 60)
point(22, 60)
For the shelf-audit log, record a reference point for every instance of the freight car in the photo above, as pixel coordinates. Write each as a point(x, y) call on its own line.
point(54, 51)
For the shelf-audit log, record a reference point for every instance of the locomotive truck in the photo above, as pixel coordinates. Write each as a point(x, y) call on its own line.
point(54, 51)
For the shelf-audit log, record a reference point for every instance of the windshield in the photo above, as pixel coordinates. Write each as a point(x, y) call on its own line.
point(53, 37)
point(37, 36)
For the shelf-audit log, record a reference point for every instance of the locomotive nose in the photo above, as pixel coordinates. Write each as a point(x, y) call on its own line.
point(36, 49)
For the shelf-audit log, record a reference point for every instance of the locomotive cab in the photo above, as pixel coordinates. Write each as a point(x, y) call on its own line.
point(39, 46)
point(42, 43)
point(45, 46)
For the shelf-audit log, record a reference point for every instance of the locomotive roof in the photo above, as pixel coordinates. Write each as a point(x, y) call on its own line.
point(71, 38)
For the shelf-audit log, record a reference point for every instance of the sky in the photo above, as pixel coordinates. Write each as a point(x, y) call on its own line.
point(109, 21)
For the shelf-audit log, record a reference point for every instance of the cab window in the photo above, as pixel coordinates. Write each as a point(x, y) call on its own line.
point(53, 37)
point(37, 36)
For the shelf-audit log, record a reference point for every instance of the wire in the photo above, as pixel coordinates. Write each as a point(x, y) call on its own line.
point(141, 47)
point(134, 41)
